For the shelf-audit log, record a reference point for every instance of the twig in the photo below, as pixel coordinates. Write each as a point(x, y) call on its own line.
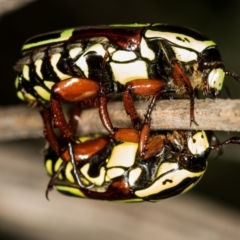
point(20, 122)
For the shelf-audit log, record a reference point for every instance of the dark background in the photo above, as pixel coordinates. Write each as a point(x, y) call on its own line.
point(220, 20)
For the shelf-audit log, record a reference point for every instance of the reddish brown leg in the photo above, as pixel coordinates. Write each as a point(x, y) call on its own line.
point(103, 113)
point(54, 178)
point(70, 90)
point(48, 130)
point(74, 118)
point(154, 146)
point(54, 143)
point(180, 78)
point(144, 134)
point(123, 134)
point(72, 152)
point(140, 87)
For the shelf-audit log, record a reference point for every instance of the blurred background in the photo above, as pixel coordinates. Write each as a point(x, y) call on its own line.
point(210, 211)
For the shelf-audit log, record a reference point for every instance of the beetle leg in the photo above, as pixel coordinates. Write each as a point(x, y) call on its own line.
point(70, 90)
point(144, 133)
point(75, 170)
point(54, 143)
point(119, 134)
point(154, 146)
point(122, 134)
point(140, 87)
point(103, 113)
point(48, 130)
point(74, 118)
point(53, 179)
point(180, 78)
point(67, 154)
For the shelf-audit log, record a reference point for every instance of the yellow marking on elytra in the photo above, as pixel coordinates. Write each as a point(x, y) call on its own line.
point(81, 62)
point(68, 173)
point(97, 180)
point(190, 186)
point(25, 72)
point(26, 96)
point(17, 80)
point(87, 138)
point(146, 52)
point(49, 84)
point(111, 50)
point(123, 56)
point(20, 95)
point(54, 60)
point(193, 184)
point(74, 52)
point(48, 166)
point(129, 200)
point(84, 181)
point(126, 72)
point(57, 166)
point(42, 92)
point(115, 172)
point(180, 40)
point(84, 139)
point(184, 55)
point(167, 181)
point(107, 179)
point(67, 33)
point(73, 191)
point(64, 36)
point(123, 155)
point(167, 167)
point(133, 175)
point(38, 66)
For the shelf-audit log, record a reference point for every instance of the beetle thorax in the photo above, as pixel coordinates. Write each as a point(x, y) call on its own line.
point(196, 78)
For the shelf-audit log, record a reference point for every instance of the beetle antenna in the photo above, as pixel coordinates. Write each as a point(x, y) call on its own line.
point(232, 74)
point(233, 140)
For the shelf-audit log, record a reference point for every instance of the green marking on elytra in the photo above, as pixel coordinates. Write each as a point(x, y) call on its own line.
point(65, 35)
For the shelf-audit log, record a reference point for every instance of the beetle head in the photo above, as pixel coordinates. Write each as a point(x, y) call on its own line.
point(212, 67)
point(199, 150)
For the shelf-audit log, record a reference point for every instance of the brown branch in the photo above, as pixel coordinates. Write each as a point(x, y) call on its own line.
point(22, 122)
point(8, 6)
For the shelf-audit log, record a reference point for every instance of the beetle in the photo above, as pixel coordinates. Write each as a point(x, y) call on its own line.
point(116, 172)
point(78, 150)
point(89, 63)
